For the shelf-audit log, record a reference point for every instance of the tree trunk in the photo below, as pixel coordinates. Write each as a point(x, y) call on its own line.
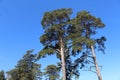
point(62, 52)
point(96, 64)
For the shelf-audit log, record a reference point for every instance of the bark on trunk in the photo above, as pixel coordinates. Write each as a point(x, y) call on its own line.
point(62, 52)
point(96, 64)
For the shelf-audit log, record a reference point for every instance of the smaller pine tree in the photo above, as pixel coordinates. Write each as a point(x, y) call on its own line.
point(2, 75)
point(26, 69)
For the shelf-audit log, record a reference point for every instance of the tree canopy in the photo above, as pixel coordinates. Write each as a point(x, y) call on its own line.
point(52, 72)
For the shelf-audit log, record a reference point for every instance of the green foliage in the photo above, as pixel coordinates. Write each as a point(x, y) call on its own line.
point(84, 26)
point(56, 17)
point(45, 51)
point(100, 43)
point(13, 74)
point(55, 26)
point(2, 75)
point(26, 69)
point(52, 72)
point(86, 20)
point(89, 25)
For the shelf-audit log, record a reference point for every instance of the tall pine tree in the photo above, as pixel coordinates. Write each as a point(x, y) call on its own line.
point(88, 25)
point(55, 37)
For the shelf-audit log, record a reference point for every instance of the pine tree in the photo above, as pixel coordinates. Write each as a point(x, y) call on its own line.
point(2, 75)
point(88, 25)
point(55, 35)
point(26, 69)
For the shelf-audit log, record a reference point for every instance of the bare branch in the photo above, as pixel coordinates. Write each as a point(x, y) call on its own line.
point(90, 71)
point(58, 50)
point(90, 61)
point(90, 57)
point(66, 50)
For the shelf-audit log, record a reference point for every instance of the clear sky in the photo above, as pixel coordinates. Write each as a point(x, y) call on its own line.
point(20, 30)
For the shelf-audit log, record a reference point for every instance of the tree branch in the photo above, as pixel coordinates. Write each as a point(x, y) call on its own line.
point(90, 71)
point(90, 61)
point(58, 50)
point(66, 50)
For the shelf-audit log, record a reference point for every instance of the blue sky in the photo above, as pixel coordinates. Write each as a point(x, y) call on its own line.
point(20, 30)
